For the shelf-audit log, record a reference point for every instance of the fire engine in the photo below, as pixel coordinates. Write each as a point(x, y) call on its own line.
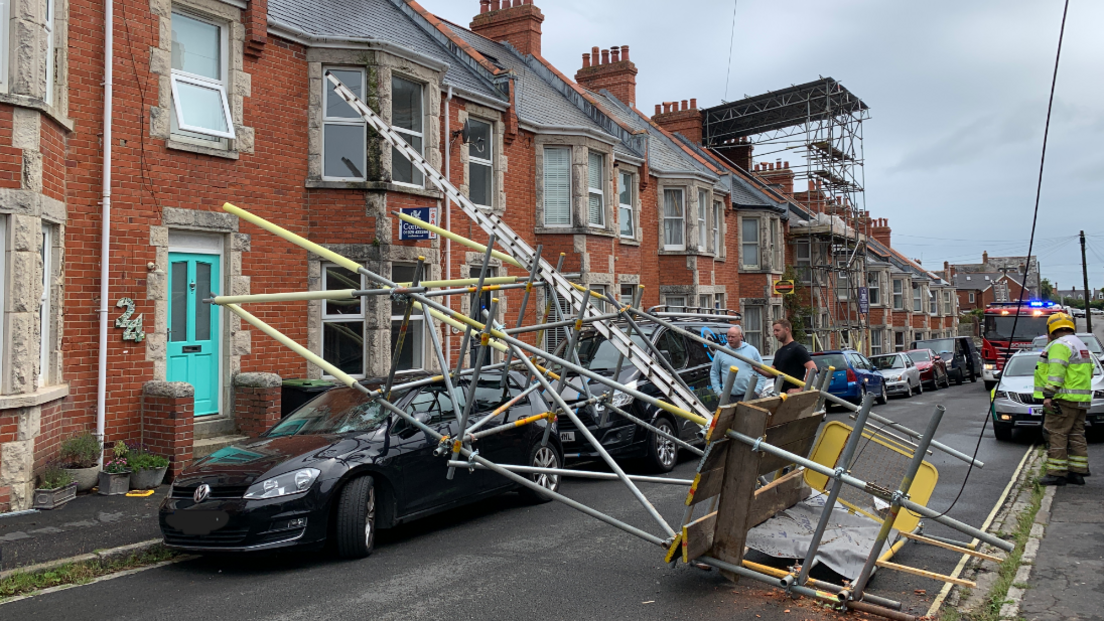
point(998, 341)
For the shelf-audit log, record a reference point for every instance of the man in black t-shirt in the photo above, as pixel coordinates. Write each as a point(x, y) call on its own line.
point(792, 358)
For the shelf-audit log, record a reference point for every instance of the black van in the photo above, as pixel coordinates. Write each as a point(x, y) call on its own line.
point(959, 352)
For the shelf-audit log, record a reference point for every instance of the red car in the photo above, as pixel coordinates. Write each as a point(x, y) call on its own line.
point(933, 369)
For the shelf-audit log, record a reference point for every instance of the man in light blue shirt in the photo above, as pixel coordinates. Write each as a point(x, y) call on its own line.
point(722, 361)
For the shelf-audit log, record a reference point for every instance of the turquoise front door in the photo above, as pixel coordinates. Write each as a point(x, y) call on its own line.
point(193, 348)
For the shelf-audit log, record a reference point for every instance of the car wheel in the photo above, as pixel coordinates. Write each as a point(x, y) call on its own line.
point(960, 377)
point(355, 528)
point(662, 452)
point(935, 381)
point(543, 457)
point(946, 380)
point(908, 386)
point(1003, 432)
point(883, 398)
point(973, 376)
point(920, 387)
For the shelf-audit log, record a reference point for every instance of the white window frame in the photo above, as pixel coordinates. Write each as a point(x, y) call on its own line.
point(544, 176)
point(753, 331)
point(917, 298)
point(718, 301)
point(487, 162)
point(628, 292)
point(973, 299)
point(180, 76)
point(45, 305)
point(843, 282)
point(744, 245)
point(804, 264)
point(326, 318)
point(408, 132)
point(776, 244)
point(675, 222)
point(48, 97)
point(343, 121)
point(898, 294)
point(596, 192)
point(705, 300)
point(417, 323)
point(718, 211)
point(899, 336)
point(703, 220)
point(875, 342)
point(625, 210)
point(675, 300)
point(599, 303)
point(874, 288)
point(5, 6)
point(3, 280)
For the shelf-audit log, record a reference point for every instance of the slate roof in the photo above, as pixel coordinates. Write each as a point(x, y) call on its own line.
point(977, 280)
point(376, 19)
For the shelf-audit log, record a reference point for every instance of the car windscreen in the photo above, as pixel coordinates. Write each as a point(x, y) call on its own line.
point(824, 361)
point(919, 356)
point(887, 362)
point(1022, 365)
point(341, 410)
point(1093, 344)
point(938, 345)
point(600, 356)
point(999, 327)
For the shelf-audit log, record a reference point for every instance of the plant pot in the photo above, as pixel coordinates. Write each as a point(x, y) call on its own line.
point(114, 483)
point(85, 478)
point(54, 498)
point(147, 479)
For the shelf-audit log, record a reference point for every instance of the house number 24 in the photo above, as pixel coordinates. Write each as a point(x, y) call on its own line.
point(132, 328)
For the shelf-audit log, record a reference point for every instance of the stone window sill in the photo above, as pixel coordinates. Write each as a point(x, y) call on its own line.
point(574, 230)
point(37, 104)
point(27, 400)
point(194, 148)
point(319, 184)
point(628, 241)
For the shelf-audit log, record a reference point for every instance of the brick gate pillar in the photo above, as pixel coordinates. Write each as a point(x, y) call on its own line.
point(168, 414)
point(257, 400)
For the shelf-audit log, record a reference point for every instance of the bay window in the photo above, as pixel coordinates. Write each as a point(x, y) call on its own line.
point(875, 342)
point(898, 294)
point(45, 304)
point(480, 163)
point(343, 322)
point(917, 303)
point(804, 259)
point(5, 6)
point(718, 213)
point(776, 245)
point(410, 357)
point(625, 205)
point(874, 288)
point(407, 120)
point(595, 195)
point(50, 41)
point(703, 224)
point(198, 79)
point(557, 186)
point(749, 246)
point(705, 300)
point(753, 326)
point(674, 221)
point(344, 132)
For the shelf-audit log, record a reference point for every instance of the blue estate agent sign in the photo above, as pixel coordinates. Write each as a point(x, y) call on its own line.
point(864, 300)
point(413, 231)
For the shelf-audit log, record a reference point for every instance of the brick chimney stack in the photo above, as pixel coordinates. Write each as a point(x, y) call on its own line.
point(780, 176)
point(517, 22)
point(881, 232)
point(610, 70)
point(734, 151)
point(985, 258)
point(684, 118)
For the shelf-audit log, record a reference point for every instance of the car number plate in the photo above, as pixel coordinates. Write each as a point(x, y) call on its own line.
point(1034, 411)
point(198, 522)
point(567, 436)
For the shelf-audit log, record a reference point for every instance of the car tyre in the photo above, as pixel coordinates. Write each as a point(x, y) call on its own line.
point(960, 377)
point(973, 376)
point(883, 398)
point(920, 387)
point(908, 385)
point(1003, 431)
point(935, 380)
point(662, 452)
point(946, 380)
point(543, 457)
point(355, 527)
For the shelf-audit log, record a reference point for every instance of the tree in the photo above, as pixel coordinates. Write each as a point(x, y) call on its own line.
point(1046, 289)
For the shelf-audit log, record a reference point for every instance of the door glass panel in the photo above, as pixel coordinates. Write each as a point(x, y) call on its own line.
point(203, 309)
point(179, 310)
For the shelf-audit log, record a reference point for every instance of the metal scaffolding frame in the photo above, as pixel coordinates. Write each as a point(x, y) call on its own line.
point(821, 122)
point(547, 371)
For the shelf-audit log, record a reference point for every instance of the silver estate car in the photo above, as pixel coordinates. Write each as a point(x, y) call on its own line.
point(900, 373)
point(1014, 404)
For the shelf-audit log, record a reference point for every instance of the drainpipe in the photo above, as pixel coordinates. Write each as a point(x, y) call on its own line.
point(448, 217)
point(105, 235)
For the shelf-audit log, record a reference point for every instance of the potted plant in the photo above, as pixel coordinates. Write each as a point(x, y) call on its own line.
point(58, 488)
point(115, 476)
point(80, 457)
point(147, 469)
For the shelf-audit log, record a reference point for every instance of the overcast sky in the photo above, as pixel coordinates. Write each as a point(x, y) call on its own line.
point(957, 92)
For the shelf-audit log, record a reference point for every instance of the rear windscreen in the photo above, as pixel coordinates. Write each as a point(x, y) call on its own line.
point(830, 360)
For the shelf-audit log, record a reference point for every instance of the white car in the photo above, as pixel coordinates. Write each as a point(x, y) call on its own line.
point(1089, 340)
point(1077, 312)
point(1014, 403)
point(900, 373)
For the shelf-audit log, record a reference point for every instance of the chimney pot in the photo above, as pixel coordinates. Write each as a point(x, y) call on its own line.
point(484, 6)
point(624, 50)
point(496, 5)
point(594, 54)
point(615, 54)
point(685, 105)
point(586, 60)
point(658, 111)
point(786, 165)
point(693, 104)
point(605, 57)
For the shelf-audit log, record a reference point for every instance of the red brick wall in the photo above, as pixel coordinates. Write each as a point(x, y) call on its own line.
point(50, 436)
point(257, 407)
point(167, 421)
point(11, 159)
point(52, 139)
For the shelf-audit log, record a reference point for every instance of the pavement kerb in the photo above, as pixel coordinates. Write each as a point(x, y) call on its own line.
point(101, 555)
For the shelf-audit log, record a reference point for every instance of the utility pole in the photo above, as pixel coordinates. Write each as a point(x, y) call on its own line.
point(1088, 293)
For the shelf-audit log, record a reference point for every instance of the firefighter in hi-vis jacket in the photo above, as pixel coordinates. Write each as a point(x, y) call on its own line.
point(1063, 379)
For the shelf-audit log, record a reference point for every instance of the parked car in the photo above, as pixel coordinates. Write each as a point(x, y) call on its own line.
point(959, 353)
point(1096, 311)
point(932, 367)
point(622, 438)
point(1014, 403)
point(341, 467)
point(854, 375)
point(900, 373)
point(1088, 339)
point(1078, 312)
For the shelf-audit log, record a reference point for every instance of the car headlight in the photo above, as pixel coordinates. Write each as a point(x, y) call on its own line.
point(621, 399)
point(990, 366)
point(1098, 394)
point(284, 485)
point(1001, 395)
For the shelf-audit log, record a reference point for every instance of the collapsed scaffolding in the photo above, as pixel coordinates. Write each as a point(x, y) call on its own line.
point(820, 122)
point(743, 442)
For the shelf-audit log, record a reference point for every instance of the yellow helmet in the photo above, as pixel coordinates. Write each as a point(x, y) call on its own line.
point(1057, 321)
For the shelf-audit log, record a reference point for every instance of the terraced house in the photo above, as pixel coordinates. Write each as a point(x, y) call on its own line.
point(112, 232)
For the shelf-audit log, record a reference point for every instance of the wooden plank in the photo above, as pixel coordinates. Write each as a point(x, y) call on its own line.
point(940, 544)
point(769, 404)
point(705, 486)
point(779, 495)
point(697, 537)
point(796, 437)
point(741, 468)
point(801, 446)
point(722, 422)
point(926, 574)
point(798, 405)
point(675, 547)
point(714, 455)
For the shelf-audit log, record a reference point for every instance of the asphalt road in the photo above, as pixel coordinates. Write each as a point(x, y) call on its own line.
point(503, 559)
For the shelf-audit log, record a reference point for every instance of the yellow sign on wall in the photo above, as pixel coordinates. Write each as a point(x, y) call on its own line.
point(783, 287)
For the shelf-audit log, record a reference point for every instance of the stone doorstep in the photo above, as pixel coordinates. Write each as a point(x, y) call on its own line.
point(203, 448)
point(206, 427)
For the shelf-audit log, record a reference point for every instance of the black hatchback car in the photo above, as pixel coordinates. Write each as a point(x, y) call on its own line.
point(341, 466)
point(622, 438)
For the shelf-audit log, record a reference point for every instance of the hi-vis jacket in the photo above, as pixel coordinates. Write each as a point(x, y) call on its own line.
point(1064, 371)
